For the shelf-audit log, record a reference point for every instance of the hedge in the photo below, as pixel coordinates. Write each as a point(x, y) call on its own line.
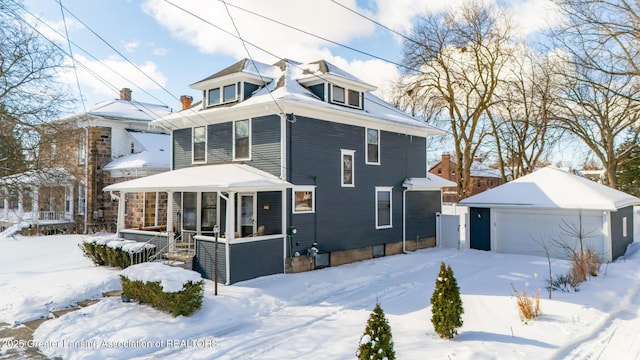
point(183, 302)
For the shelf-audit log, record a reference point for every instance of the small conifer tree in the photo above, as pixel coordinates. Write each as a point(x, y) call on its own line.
point(446, 304)
point(377, 341)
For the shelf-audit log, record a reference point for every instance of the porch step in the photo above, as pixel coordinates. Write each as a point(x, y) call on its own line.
point(179, 259)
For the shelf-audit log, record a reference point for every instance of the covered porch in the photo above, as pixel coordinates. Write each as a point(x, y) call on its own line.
point(235, 203)
point(37, 197)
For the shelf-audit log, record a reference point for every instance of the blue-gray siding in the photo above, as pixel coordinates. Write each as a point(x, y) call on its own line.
point(254, 259)
point(205, 260)
point(265, 149)
point(345, 216)
point(619, 242)
point(421, 209)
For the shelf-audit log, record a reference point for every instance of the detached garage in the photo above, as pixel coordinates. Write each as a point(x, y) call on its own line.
point(551, 205)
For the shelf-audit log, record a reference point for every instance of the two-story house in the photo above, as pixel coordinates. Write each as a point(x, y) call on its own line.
point(299, 166)
point(81, 154)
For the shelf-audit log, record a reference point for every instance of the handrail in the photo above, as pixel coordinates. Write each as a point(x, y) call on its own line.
point(163, 250)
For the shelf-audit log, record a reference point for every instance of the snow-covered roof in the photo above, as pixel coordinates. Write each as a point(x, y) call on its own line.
point(431, 182)
point(155, 155)
point(222, 177)
point(479, 169)
point(285, 94)
point(552, 188)
point(124, 109)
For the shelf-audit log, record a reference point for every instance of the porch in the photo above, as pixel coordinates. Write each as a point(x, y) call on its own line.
point(37, 198)
point(236, 203)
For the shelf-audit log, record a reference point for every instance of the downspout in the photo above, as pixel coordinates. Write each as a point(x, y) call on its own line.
point(404, 221)
point(86, 177)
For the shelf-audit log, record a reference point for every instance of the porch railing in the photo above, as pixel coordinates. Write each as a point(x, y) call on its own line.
point(53, 215)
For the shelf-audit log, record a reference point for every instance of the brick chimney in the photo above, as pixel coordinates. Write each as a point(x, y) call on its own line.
point(125, 94)
point(186, 101)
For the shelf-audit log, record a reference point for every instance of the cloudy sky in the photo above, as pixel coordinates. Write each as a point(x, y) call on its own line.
point(159, 47)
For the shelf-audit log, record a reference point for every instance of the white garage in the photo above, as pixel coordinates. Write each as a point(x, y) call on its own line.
point(551, 206)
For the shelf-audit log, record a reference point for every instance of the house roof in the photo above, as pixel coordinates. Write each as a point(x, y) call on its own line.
point(285, 94)
point(129, 110)
point(221, 177)
point(431, 182)
point(156, 153)
point(552, 188)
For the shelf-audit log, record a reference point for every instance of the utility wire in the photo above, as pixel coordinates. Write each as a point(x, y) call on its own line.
point(75, 70)
point(376, 22)
point(251, 58)
point(323, 38)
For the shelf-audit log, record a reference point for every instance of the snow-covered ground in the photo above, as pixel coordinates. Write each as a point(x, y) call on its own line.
point(322, 314)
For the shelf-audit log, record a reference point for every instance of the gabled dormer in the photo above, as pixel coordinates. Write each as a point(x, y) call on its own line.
point(233, 84)
point(333, 85)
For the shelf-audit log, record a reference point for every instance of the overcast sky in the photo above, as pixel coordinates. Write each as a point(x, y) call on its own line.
point(169, 45)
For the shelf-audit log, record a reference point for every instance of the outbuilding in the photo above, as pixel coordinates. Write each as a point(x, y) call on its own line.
point(553, 207)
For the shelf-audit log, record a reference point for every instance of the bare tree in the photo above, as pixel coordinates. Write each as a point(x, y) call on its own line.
point(601, 109)
point(522, 117)
point(602, 35)
point(30, 95)
point(460, 55)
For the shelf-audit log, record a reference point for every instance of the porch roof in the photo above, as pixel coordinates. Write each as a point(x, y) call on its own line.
point(431, 182)
point(207, 178)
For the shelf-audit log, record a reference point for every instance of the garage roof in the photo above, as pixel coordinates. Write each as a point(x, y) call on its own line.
point(552, 188)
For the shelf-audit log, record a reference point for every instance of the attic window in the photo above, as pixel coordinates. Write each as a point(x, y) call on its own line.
point(337, 94)
point(348, 97)
point(222, 95)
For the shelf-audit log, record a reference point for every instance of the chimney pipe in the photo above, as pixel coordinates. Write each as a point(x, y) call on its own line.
point(125, 94)
point(186, 101)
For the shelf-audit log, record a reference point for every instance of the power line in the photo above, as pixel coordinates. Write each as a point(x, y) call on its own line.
point(251, 58)
point(75, 70)
point(321, 37)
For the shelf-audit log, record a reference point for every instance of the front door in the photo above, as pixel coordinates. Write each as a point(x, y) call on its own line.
point(246, 218)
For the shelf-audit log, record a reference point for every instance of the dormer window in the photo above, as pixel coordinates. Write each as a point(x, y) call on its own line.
point(348, 97)
point(222, 95)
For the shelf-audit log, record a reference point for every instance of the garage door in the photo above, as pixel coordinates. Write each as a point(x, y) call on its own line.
point(520, 232)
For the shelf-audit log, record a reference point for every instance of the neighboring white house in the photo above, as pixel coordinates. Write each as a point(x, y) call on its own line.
point(551, 205)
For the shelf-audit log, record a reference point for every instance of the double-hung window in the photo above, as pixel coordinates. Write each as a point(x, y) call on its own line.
point(347, 157)
point(199, 144)
point(373, 146)
point(384, 204)
point(242, 140)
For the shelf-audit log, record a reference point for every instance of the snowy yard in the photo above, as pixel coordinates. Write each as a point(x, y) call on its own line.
point(322, 314)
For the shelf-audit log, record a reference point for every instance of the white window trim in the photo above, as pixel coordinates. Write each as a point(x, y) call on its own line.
point(346, 97)
point(82, 200)
point(233, 142)
point(193, 153)
point(390, 190)
point(624, 227)
point(366, 147)
point(221, 98)
point(309, 188)
point(352, 153)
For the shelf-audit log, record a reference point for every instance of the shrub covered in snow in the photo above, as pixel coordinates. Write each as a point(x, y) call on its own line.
point(113, 251)
point(446, 304)
point(377, 341)
point(168, 288)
